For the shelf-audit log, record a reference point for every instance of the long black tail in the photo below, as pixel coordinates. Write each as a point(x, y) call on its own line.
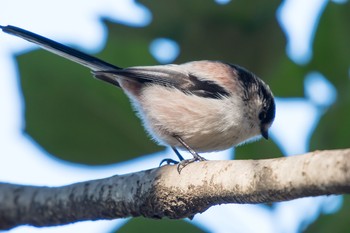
point(84, 59)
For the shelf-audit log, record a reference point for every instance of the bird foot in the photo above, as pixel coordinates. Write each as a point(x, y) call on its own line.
point(168, 162)
point(182, 164)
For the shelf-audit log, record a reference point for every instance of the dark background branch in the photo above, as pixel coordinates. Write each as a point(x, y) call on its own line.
point(162, 192)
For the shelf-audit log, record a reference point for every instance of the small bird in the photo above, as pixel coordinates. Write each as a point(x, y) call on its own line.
point(199, 106)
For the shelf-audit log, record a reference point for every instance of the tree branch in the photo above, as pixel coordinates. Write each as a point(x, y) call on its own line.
point(162, 192)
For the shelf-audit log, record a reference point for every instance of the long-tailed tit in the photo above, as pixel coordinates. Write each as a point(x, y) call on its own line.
point(200, 106)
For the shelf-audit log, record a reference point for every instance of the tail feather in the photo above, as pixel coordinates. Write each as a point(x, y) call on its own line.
point(77, 56)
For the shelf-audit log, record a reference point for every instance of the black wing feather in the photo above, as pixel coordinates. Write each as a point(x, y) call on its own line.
point(187, 83)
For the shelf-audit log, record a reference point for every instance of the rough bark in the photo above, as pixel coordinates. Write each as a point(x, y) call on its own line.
point(163, 192)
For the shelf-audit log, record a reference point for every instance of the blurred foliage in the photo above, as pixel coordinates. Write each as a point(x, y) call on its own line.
point(152, 225)
point(258, 150)
point(79, 119)
point(332, 58)
point(335, 223)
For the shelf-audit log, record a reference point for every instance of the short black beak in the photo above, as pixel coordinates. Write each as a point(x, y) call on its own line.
point(265, 133)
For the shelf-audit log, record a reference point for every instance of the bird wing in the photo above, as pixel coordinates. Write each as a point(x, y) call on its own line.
point(168, 76)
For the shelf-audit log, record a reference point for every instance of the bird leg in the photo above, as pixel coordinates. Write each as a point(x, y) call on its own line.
point(184, 162)
point(172, 161)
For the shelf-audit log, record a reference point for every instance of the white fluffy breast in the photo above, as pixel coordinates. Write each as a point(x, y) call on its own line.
point(205, 124)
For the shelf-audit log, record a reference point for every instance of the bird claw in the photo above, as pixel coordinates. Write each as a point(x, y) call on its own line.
point(168, 162)
point(182, 164)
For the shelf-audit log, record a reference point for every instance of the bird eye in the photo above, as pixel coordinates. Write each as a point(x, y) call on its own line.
point(262, 116)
